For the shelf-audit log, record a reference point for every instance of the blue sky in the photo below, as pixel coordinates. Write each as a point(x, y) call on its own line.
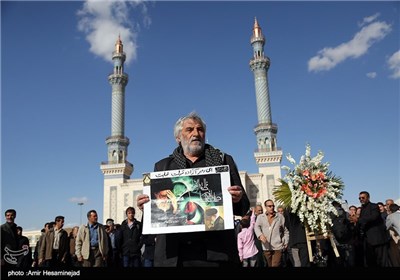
point(334, 83)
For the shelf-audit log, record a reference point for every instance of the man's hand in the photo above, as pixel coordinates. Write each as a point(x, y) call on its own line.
point(236, 193)
point(173, 200)
point(262, 238)
point(142, 199)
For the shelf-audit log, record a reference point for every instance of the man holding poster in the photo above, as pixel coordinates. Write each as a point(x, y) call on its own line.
point(214, 248)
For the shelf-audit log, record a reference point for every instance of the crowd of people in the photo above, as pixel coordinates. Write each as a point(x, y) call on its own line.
point(366, 236)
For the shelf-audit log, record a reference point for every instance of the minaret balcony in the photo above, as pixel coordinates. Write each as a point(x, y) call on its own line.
point(126, 163)
point(118, 75)
point(263, 59)
point(259, 63)
point(121, 79)
point(268, 150)
point(118, 54)
point(270, 127)
point(257, 39)
point(118, 139)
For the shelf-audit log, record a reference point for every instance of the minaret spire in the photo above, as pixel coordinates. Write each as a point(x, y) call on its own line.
point(265, 130)
point(257, 33)
point(119, 47)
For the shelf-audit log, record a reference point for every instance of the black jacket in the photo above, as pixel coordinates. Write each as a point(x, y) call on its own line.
point(9, 240)
point(129, 238)
point(149, 243)
point(372, 226)
point(209, 246)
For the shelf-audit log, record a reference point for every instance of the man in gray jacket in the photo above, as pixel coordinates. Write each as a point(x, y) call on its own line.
point(91, 245)
point(271, 231)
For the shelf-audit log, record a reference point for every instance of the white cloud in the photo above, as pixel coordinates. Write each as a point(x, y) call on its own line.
point(371, 75)
point(394, 64)
point(369, 19)
point(103, 21)
point(83, 199)
point(328, 57)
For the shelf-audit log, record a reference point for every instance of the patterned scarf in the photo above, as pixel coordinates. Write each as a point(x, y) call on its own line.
point(213, 156)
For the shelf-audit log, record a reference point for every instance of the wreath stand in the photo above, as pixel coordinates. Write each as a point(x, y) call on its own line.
point(317, 237)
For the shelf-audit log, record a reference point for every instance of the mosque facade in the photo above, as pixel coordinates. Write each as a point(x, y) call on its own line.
point(120, 191)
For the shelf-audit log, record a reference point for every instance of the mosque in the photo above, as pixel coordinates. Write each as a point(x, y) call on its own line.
point(120, 191)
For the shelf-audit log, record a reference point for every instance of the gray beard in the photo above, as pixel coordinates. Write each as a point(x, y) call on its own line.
point(192, 150)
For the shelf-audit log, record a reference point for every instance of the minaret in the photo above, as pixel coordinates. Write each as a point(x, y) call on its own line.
point(268, 156)
point(117, 143)
point(117, 169)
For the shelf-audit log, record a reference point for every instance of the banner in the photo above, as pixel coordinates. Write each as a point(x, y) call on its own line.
point(187, 200)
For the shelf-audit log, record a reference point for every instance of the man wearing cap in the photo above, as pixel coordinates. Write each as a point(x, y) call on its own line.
point(164, 205)
point(164, 198)
point(216, 221)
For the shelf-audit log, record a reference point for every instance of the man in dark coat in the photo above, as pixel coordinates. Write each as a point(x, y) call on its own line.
point(129, 237)
point(54, 247)
point(298, 251)
point(373, 233)
point(216, 221)
point(208, 248)
point(24, 260)
point(9, 240)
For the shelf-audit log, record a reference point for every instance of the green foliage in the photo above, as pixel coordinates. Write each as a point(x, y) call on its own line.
point(282, 194)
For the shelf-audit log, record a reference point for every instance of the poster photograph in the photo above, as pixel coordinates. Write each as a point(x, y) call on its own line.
point(187, 200)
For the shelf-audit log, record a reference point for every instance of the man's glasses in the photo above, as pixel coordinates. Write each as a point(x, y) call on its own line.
point(270, 205)
point(362, 197)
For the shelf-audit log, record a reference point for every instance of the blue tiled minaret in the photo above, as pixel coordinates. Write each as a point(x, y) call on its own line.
point(268, 156)
point(117, 143)
point(117, 170)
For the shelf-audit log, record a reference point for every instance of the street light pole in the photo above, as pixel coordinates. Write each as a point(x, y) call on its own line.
point(80, 216)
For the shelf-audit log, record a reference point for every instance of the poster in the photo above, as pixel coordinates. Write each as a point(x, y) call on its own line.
point(187, 200)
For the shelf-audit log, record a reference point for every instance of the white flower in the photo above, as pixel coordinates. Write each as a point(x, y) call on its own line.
point(317, 159)
point(290, 159)
point(308, 150)
point(286, 168)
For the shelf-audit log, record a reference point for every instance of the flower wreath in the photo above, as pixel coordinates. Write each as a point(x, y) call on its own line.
point(309, 189)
